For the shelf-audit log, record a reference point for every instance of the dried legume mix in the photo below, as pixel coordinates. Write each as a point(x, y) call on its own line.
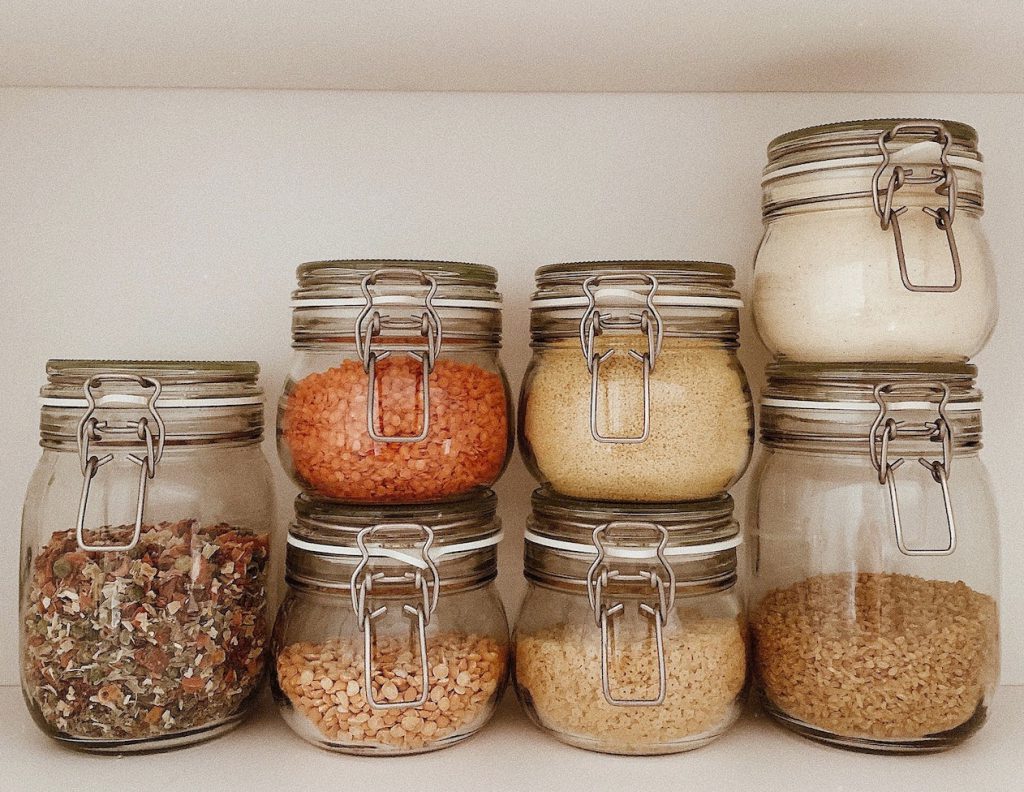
point(884, 656)
point(166, 637)
point(325, 684)
point(700, 427)
point(558, 673)
point(324, 429)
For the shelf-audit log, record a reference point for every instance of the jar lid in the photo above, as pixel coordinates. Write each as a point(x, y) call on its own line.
point(683, 283)
point(692, 528)
point(329, 545)
point(846, 138)
point(905, 386)
point(344, 283)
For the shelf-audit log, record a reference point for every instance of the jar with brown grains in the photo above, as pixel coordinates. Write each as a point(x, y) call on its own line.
point(634, 392)
point(392, 638)
point(874, 611)
point(144, 553)
point(396, 393)
point(631, 639)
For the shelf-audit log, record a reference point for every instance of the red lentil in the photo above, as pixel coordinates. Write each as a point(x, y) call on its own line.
point(324, 428)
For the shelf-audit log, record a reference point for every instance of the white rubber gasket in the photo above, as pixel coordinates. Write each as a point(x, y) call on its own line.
point(634, 552)
point(376, 551)
point(639, 299)
point(872, 406)
point(392, 299)
point(131, 400)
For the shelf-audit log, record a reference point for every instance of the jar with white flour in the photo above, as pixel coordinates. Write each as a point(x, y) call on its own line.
point(873, 247)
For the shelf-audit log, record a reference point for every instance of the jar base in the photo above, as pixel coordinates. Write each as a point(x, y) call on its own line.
point(930, 743)
point(156, 744)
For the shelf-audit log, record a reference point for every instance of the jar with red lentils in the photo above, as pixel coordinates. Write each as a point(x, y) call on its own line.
point(392, 638)
point(396, 393)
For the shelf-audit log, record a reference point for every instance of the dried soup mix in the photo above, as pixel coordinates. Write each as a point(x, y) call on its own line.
point(325, 430)
point(163, 638)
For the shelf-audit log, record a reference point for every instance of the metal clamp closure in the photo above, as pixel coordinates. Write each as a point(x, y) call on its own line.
point(371, 322)
point(90, 429)
point(662, 580)
point(884, 430)
point(426, 586)
point(944, 179)
point(593, 323)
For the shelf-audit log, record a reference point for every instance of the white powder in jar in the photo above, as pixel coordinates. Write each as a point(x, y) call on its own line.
point(700, 428)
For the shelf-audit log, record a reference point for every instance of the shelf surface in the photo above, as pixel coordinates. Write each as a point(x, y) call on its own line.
point(486, 45)
point(756, 755)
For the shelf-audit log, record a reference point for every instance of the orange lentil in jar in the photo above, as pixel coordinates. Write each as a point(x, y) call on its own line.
point(324, 428)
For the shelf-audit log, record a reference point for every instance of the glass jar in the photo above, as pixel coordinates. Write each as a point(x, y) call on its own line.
point(873, 247)
point(631, 639)
point(874, 609)
point(144, 553)
point(398, 595)
point(634, 391)
point(396, 393)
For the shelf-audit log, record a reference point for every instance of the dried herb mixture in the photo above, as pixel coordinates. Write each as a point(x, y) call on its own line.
point(161, 639)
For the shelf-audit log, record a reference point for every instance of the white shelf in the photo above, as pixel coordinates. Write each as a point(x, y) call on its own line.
point(492, 45)
point(756, 755)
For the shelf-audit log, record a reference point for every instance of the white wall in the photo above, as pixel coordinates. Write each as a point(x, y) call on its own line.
point(167, 223)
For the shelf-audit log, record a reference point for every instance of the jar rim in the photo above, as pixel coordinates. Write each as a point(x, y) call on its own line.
point(671, 272)
point(857, 382)
point(860, 132)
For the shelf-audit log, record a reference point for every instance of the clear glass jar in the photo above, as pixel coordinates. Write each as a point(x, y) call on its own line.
point(874, 607)
point(398, 595)
point(632, 638)
point(873, 247)
point(356, 422)
point(634, 391)
point(144, 553)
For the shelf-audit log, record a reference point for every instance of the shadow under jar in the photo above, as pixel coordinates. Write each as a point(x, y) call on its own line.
point(874, 605)
point(404, 597)
point(631, 639)
point(144, 553)
point(873, 247)
point(396, 393)
point(634, 391)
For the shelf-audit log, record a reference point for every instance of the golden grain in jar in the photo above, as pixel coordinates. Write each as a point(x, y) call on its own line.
point(634, 391)
point(631, 639)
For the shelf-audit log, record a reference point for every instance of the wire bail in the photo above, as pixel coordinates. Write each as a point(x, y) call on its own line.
point(944, 179)
point(427, 588)
point(593, 323)
point(599, 576)
point(370, 323)
point(90, 429)
point(883, 431)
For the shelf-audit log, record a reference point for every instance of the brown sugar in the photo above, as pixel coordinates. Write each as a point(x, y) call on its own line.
point(877, 655)
point(323, 427)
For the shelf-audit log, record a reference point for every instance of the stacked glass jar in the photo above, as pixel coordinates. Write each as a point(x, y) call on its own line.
point(395, 421)
point(636, 418)
point(874, 610)
point(145, 544)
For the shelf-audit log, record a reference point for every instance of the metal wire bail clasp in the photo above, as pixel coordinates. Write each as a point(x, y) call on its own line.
point(371, 322)
point(884, 430)
point(594, 323)
point(944, 179)
point(90, 429)
point(662, 580)
point(427, 583)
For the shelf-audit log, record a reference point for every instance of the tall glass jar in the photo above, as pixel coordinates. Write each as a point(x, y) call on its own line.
point(402, 596)
point(144, 553)
point(634, 392)
point(873, 247)
point(631, 639)
point(396, 393)
point(874, 609)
